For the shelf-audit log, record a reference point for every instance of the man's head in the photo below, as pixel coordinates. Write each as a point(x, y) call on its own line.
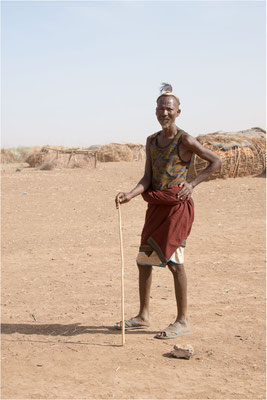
point(167, 107)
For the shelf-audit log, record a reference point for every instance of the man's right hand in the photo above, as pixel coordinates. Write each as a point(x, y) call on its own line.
point(122, 198)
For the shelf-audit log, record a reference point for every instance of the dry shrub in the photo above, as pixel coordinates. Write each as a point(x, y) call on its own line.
point(36, 159)
point(7, 156)
point(14, 155)
point(23, 153)
point(47, 166)
point(242, 153)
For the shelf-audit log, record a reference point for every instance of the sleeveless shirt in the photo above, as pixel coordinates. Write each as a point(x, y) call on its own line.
point(167, 166)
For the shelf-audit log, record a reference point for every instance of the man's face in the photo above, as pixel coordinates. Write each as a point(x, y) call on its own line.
point(167, 111)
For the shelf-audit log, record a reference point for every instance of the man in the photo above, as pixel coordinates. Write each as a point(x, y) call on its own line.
point(170, 211)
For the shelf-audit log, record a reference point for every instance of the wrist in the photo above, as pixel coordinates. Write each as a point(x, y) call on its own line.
point(129, 195)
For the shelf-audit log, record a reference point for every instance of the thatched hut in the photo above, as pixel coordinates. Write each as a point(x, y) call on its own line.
point(138, 151)
point(115, 152)
point(242, 153)
point(48, 157)
point(121, 152)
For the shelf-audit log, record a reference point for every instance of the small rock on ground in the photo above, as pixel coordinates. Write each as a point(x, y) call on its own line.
point(183, 351)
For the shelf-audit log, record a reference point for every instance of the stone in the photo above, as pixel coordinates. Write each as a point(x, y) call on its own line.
point(183, 351)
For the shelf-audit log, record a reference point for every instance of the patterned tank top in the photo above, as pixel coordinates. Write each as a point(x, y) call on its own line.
point(167, 166)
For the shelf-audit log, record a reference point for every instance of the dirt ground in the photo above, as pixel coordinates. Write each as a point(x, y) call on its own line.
point(61, 290)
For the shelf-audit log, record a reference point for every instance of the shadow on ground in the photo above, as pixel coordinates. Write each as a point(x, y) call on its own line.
point(262, 175)
point(64, 330)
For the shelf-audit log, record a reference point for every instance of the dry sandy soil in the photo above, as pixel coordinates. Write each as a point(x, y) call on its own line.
point(61, 290)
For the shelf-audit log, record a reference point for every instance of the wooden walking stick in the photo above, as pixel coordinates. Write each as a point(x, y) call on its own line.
point(122, 280)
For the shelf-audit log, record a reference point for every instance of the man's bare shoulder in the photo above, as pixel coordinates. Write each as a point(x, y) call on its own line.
point(192, 145)
point(187, 139)
point(150, 137)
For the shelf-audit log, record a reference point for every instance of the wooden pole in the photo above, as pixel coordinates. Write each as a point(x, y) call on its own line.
point(95, 159)
point(122, 281)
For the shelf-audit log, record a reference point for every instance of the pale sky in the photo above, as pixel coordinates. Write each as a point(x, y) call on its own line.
point(83, 73)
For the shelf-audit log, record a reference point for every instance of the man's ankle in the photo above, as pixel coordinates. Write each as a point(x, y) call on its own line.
point(182, 320)
point(143, 316)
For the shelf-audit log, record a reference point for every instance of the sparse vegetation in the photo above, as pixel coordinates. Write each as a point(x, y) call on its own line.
point(15, 154)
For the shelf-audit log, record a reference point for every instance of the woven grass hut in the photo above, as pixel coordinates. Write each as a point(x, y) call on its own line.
point(49, 157)
point(117, 152)
point(242, 153)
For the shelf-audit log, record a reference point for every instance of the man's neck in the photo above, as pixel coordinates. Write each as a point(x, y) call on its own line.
point(170, 132)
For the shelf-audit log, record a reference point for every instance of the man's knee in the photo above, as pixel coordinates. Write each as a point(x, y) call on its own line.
point(145, 269)
point(175, 268)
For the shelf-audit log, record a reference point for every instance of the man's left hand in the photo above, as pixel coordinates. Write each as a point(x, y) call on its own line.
point(185, 192)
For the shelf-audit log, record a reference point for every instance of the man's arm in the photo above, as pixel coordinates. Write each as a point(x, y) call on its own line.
point(142, 185)
point(193, 146)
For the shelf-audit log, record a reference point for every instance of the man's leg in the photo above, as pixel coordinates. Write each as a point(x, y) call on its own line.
point(180, 326)
point(145, 280)
point(142, 318)
point(180, 285)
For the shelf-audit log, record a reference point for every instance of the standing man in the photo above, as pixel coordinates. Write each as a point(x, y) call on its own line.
point(170, 211)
